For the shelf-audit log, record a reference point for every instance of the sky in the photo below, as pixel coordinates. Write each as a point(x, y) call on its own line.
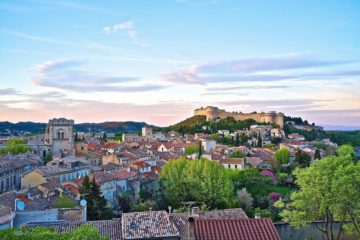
point(156, 61)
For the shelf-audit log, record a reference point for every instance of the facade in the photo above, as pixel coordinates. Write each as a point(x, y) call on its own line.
point(208, 145)
point(12, 167)
point(59, 135)
point(233, 163)
point(214, 113)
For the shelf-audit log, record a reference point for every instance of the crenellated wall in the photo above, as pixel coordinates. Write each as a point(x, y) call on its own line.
point(213, 113)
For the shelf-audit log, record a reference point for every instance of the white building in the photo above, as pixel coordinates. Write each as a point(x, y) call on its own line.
point(233, 163)
point(208, 145)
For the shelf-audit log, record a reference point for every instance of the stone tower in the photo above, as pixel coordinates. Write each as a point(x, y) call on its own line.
point(146, 131)
point(59, 135)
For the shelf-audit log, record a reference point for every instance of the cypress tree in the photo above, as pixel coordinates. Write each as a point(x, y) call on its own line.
point(317, 154)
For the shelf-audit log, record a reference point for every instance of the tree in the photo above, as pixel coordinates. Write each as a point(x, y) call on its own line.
point(124, 203)
point(244, 198)
point(15, 146)
point(345, 150)
point(104, 138)
point(302, 158)
point(191, 149)
point(47, 158)
point(317, 154)
point(76, 138)
point(282, 155)
point(237, 140)
point(83, 232)
point(200, 150)
point(259, 141)
point(96, 204)
point(236, 154)
point(244, 138)
point(329, 192)
point(202, 180)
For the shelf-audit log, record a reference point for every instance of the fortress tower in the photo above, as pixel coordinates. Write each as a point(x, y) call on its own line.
point(59, 135)
point(213, 113)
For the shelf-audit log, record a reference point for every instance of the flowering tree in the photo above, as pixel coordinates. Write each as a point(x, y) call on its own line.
point(269, 173)
point(274, 196)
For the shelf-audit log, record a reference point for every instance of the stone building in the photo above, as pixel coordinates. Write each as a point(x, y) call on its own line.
point(59, 135)
point(214, 113)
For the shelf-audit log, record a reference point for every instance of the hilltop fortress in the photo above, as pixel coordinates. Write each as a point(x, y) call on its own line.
point(213, 113)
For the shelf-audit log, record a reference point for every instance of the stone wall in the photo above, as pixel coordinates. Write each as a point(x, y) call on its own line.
point(285, 231)
point(213, 113)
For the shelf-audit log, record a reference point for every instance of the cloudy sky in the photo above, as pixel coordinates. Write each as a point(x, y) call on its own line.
point(156, 61)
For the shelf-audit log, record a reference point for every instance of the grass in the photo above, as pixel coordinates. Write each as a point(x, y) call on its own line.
point(65, 202)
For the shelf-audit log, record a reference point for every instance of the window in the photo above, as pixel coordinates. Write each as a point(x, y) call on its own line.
point(58, 135)
point(82, 148)
point(229, 166)
point(62, 135)
point(235, 165)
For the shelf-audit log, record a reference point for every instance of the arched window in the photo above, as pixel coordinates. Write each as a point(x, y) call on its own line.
point(58, 135)
point(62, 135)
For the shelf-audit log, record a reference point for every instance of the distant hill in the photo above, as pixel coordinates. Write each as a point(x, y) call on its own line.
point(33, 127)
point(198, 119)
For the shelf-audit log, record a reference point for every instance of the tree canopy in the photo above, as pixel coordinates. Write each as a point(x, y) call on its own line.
point(237, 154)
point(329, 191)
point(282, 155)
point(196, 180)
point(97, 208)
point(84, 232)
point(15, 146)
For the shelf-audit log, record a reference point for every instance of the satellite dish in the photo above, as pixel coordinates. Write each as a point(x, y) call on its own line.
point(83, 202)
point(20, 205)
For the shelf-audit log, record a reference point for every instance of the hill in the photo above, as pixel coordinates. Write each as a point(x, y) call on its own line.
point(191, 121)
point(34, 128)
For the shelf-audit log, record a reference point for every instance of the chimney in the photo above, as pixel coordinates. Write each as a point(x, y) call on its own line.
point(169, 209)
point(257, 215)
point(195, 211)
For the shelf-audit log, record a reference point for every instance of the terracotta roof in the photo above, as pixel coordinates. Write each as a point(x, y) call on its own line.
point(141, 164)
point(123, 174)
point(232, 161)
point(186, 228)
point(140, 225)
point(249, 229)
point(102, 177)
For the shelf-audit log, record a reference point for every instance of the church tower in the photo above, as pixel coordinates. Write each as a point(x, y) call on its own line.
point(59, 135)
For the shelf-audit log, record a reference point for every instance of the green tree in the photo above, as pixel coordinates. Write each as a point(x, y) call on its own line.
point(96, 204)
point(244, 138)
point(191, 149)
point(15, 146)
point(236, 154)
point(48, 157)
point(83, 232)
point(237, 140)
point(104, 138)
point(345, 150)
point(259, 141)
point(282, 155)
point(201, 180)
point(76, 138)
point(317, 154)
point(329, 192)
point(200, 150)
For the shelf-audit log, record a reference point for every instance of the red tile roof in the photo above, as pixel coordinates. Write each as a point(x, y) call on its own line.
point(123, 174)
point(249, 229)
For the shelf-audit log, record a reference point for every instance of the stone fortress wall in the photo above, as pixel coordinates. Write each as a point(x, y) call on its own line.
point(213, 113)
